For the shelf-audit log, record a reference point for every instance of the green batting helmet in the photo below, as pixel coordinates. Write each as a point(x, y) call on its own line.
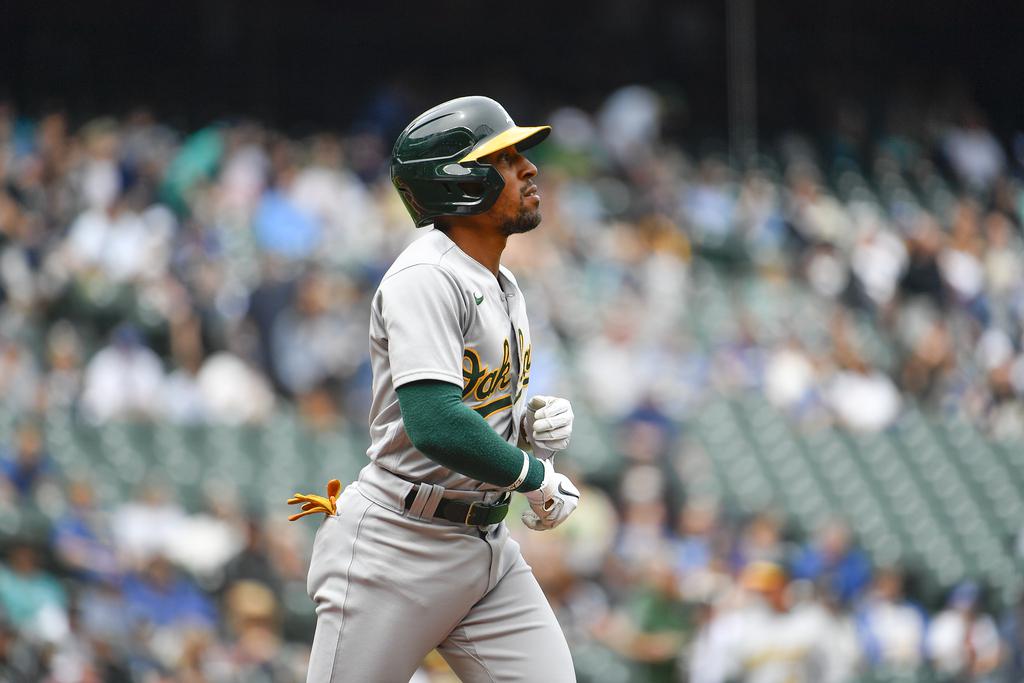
point(436, 166)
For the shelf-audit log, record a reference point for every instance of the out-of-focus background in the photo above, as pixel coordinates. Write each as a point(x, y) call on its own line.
point(780, 276)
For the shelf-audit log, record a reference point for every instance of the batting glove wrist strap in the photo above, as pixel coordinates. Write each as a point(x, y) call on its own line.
point(522, 474)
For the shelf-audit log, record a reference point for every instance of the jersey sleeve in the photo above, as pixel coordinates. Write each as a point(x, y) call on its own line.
point(422, 309)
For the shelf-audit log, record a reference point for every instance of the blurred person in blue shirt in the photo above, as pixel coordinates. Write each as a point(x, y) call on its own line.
point(160, 596)
point(833, 559)
point(82, 538)
point(27, 466)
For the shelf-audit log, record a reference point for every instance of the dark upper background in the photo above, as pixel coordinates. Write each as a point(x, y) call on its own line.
point(302, 64)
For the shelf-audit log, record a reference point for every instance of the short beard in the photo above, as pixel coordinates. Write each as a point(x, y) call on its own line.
point(524, 221)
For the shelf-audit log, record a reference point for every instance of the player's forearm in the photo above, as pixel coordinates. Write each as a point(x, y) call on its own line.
point(448, 432)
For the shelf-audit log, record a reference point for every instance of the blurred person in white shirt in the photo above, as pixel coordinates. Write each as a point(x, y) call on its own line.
point(630, 124)
point(233, 391)
point(20, 378)
point(963, 643)
point(879, 256)
point(119, 242)
point(145, 526)
point(123, 380)
point(891, 628)
point(862, 397)
point(790, 378)
point(975, 154)
point(758, 638)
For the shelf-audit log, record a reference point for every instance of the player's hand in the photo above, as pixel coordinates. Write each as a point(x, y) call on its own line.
point(553, 502)
point(548, 424)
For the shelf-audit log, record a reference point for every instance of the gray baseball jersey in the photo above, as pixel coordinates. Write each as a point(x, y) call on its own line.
point(392, 583)
point(439, 314)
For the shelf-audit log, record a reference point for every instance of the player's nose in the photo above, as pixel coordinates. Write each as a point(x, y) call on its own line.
point(527, 169)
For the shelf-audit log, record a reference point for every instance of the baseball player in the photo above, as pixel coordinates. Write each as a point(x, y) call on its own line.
point(414, 555)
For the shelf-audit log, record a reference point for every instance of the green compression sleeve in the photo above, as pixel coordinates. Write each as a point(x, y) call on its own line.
point(448, 432)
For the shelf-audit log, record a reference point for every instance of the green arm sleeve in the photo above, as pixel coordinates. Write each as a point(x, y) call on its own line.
point(448, 432)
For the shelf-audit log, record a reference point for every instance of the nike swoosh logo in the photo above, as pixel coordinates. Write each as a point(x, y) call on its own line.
point(479, 299)
point(567, 493)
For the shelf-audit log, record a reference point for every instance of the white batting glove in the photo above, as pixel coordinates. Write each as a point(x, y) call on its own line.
point(548, 423)
point(553, 502)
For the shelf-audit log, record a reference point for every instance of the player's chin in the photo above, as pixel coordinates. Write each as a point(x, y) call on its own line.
point(524, 221)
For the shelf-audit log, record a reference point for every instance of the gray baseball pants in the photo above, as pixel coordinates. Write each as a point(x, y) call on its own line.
point(389, 588)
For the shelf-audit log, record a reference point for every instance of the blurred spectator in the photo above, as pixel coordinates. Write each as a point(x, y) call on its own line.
point(64, 360)
point(817, 216)
point(18, 663)
point(312, 342)
point(123, 380)
point(28, 467)
point(891, 628)
point(759, 541)
point(963, 642)
point(839, 649)
point(650, 625)
point(922, 276)
point(960, 260)
point(31, 597)
point(146, 525)
point(82, 538)
point(694, 552)
point(974, 152)
point(204, 542)
point(159, 596)
point(257, 652)
point(758, 638)
point(878, 259)
point(117, 243)
point(1013, 633)
point(643, 532)
point(282, 229)
point(251, 563)
point(709, 205)
point(630, 122)
point(927, 366)
point(183, 401)
point(232, 391)
point(790, 378)
point(834, 561)
point(19, 375)
point(863, 398)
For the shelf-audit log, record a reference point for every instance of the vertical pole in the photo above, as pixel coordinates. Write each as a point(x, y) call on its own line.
point(741, 36)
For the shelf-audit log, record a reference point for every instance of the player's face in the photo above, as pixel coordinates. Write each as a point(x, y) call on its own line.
point(518, 206)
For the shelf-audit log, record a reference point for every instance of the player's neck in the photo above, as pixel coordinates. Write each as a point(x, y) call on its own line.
point(482, 245)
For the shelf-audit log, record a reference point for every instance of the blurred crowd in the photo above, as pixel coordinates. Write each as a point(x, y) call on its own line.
point(218, 276)
point(707, 598)
point(146, 591)
point(145, 274)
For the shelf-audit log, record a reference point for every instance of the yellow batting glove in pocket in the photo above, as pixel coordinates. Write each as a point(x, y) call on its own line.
point(312, 503)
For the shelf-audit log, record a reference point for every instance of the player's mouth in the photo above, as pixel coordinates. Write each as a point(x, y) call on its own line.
point(532, 192)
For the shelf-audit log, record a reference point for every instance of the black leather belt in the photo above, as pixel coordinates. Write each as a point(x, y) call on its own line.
point(473, 513)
